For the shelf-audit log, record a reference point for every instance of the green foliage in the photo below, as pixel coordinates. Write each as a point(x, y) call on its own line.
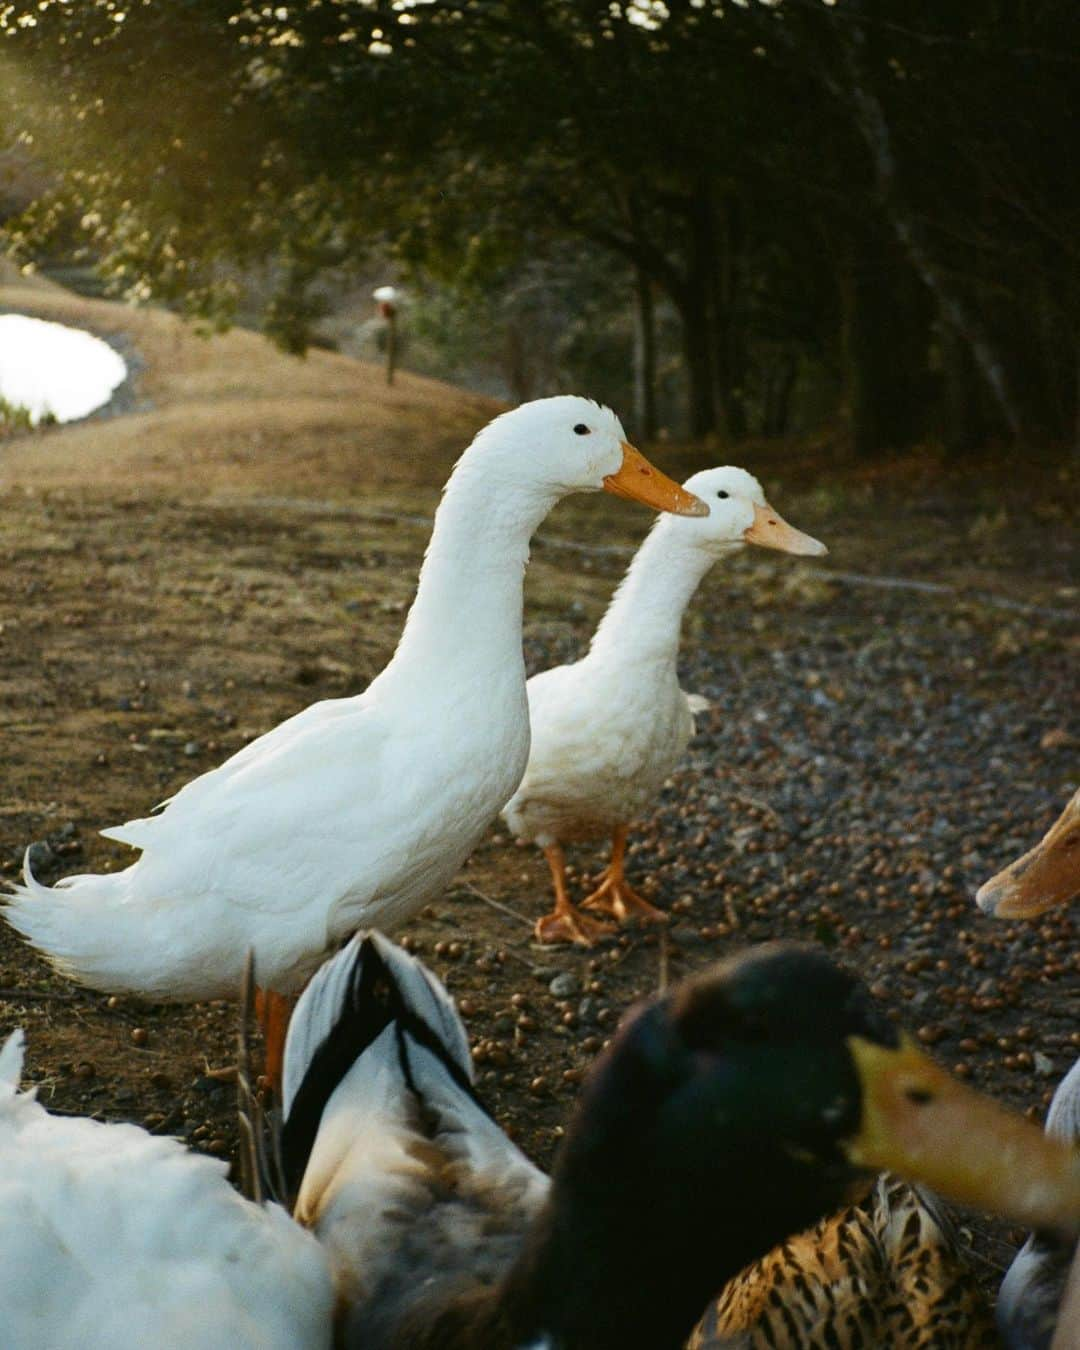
point(14, 418)
point(844, 204)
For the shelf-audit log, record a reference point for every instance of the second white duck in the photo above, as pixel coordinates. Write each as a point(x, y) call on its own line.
point(607, 730)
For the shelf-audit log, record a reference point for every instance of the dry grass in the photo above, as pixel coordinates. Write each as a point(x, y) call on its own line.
point(231, 414)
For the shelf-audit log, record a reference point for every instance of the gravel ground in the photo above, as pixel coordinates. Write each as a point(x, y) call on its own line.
point(870, 756)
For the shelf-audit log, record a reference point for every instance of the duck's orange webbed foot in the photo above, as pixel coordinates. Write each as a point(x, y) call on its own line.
point(616, 897)
point(567, 924)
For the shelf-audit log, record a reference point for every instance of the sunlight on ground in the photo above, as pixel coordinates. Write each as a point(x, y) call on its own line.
point(47, 368)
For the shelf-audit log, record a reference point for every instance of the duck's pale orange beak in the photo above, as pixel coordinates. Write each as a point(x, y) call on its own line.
point(771, 530)
point(1046, 876)
point(642, 482)
point(920, 1123)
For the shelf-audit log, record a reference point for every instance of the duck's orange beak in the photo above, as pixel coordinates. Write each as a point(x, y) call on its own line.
point(920, 1123)
point(1047, 875)
point(641, 481)
point(771, 530)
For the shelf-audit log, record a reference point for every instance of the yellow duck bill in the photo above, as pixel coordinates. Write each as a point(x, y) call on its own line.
point(920, 1123)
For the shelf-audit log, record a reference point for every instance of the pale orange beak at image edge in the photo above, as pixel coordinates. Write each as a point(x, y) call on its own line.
point(1045, 877)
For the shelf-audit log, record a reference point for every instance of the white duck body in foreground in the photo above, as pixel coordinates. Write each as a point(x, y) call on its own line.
point(357, 810)
point(110, 1236)
point(608, 730)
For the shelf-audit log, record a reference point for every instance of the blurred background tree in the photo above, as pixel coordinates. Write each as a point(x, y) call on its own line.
point(735, 218)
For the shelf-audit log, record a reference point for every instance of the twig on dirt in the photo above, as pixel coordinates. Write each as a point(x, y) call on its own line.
point(913, 584)
point(524, 960)
point(37, 995)
point(248, 1106)
point(758, 804)
point(497, 904)
point(558, 542)
point(750, 799)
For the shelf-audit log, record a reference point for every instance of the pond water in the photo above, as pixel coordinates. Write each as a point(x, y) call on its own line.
point(49, 368)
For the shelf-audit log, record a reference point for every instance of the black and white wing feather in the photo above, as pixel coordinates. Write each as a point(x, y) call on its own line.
point(409, 1184)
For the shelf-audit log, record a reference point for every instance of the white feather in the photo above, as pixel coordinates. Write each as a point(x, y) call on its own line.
point(1032, 1305)
point(609, 729)
point(110, 1236)
point(324, 999)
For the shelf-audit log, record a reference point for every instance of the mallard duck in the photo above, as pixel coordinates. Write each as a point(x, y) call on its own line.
point(1047, 876)
point(1033, 1302)
point(110, 1236)
point(733, 1110)
point(356, 810)
point(607, 730)
point(888, 1271)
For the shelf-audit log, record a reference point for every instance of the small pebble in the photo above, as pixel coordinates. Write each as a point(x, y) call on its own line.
point(564, 985)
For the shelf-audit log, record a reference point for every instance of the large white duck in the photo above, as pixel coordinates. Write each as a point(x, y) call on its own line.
point(607, 730)
point(357, 810)
point(111, 1236)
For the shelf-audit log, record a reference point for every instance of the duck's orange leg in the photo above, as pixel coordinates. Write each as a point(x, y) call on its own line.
point(615, 896)
point(273, 1011)
point(566, 923)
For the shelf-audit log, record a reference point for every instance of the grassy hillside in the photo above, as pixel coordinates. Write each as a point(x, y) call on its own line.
point(230, 413)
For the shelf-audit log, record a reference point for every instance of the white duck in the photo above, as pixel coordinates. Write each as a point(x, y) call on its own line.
point(607, 730)
point(111, 1236)
point(357, 810)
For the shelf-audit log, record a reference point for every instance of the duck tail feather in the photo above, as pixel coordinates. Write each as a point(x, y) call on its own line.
point(11, 1062)
point(75, 925)
point(1063, 1118)
point(371, 984)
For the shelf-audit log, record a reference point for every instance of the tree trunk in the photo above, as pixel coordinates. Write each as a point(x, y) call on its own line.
point(874, 128)
point(779, 385)
point(886, 344)
point(697, 353)
point(729, 348)
point(963, 394)
point(644, 356)
point(712, 282)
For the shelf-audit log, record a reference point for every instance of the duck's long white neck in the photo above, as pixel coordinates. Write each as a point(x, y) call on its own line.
point(644, 620)
point(467, 610)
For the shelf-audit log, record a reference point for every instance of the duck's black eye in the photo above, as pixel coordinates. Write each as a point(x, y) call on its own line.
point(722, 494)
point(581, 429)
